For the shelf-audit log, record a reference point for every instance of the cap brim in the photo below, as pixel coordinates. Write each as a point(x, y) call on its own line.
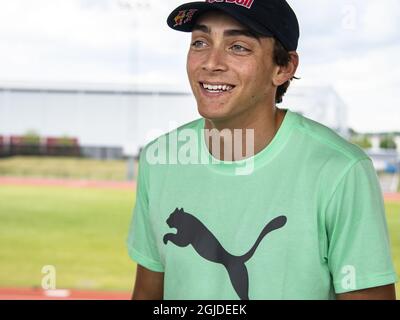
point(184, 23)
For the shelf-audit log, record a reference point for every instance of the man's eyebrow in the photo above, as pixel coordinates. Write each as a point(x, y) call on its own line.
point(202, 28)
point(241, 32)
point(228, 33)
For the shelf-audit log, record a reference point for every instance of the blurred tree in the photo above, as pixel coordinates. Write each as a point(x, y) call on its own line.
point(31, 137)
point(362, 141)
point(352, 132)
point(387, 142)
point(66, 141)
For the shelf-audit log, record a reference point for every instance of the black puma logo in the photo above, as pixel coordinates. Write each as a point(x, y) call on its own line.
point(192, 231)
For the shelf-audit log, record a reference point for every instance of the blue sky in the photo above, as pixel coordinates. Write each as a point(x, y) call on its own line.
point(350, 45)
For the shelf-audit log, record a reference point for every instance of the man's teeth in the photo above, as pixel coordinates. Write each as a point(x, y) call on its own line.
point(217, 88)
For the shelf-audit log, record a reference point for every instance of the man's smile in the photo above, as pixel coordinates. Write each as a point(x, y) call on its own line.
point(215, 89)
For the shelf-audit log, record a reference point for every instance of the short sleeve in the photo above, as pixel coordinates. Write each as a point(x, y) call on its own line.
point(359, 254)
point(141, 241)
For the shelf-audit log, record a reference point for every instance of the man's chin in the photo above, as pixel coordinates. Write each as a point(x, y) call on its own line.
point(212, 113)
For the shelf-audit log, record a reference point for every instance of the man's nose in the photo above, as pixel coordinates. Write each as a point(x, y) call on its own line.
point(215, 61)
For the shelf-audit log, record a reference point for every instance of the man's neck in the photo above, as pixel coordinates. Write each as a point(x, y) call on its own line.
point(263, 129)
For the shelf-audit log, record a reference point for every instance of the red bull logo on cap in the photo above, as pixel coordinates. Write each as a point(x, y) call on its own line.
point(244, 3)
point(184, 16)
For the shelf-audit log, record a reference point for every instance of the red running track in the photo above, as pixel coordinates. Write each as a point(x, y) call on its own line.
point(395, 197)
point(40, 294)
point(67, 183)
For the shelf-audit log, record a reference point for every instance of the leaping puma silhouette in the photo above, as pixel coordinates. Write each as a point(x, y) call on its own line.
point(192, 231)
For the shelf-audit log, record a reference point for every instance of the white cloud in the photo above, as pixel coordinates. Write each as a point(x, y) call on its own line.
point(381, 20)
point(60, 38)
point(67, 20)
point(367, 83)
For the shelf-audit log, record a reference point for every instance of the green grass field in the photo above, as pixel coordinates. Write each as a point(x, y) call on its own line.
point(82, 233)
point(64, 167)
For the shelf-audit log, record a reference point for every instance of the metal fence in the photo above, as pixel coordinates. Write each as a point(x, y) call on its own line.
point(50, 146)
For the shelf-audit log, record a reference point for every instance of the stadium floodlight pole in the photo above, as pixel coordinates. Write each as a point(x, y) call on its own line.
point(136, 7)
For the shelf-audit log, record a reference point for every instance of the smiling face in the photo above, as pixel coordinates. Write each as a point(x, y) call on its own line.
point(231, 72)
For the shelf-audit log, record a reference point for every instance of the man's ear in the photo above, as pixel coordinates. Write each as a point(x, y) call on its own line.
point(285, 73)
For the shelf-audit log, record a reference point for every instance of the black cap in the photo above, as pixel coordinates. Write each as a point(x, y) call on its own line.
point(271, 18)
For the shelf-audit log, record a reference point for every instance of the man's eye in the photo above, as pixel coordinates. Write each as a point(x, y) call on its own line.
point(239, 48)
point(198, 44)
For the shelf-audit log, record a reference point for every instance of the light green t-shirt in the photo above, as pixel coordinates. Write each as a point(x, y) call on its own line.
point(306, 223)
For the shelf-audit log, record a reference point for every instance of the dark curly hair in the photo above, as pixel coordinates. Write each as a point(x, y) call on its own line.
point(281, 58)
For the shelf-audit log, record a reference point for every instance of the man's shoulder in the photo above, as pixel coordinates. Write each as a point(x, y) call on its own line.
point(327, 141)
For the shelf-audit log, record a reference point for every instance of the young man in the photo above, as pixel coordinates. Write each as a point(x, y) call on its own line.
point(300, 217)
